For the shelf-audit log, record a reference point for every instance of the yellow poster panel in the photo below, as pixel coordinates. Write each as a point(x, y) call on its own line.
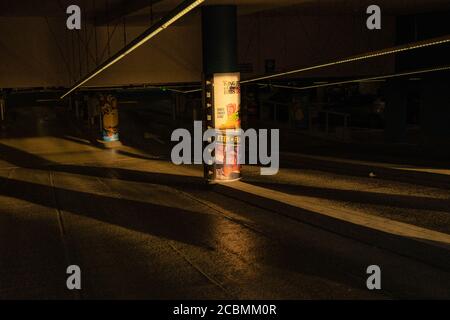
point(227, 100)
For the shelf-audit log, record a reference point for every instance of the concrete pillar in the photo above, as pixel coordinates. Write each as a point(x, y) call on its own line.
point(110, 121)
point(77, 107)
point(70, 103)
point(2, 109)
point(2, 112)
point(435, 113)
point(94, 110)
point(395, 112)
point(221, 100)
point(174, 108)
point(84, 108)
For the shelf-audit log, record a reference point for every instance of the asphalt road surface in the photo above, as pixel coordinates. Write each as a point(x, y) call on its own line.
point(142, 228)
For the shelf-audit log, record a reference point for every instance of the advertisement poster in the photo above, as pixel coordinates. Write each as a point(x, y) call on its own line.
point(110, 114)
point(227, 99)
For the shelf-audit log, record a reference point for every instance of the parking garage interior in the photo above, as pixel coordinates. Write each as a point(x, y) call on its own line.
point(86, 139)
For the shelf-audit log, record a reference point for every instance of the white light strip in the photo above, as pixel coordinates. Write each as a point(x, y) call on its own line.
point(137, 45)
point(194, 90)
point(359, 80)
point(416, 45)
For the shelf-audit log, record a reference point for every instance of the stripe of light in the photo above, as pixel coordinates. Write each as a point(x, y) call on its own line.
point(384, 52)
point(360, 80)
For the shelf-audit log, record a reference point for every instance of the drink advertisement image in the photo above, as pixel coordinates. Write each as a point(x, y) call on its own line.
point(110, 115)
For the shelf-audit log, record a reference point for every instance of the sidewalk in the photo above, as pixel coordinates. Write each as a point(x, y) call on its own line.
point(434, 177)
point(419, 243)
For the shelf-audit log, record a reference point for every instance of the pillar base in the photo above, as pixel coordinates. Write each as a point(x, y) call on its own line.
point(215, 182)
point(109, 144)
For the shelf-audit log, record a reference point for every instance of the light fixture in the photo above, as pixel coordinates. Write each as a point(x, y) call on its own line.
point(369, 55)
point(379, 78)
point(193, 90)
point(165, 22)
point(374, 80)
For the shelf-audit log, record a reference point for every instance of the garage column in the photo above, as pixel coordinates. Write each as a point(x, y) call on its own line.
point(221, 89)
point(435, 113)
point(109, 121)
point(2, 108)
point(395, 113)
point(2, 111)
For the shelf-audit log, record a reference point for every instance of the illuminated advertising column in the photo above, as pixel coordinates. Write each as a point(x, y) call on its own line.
point(221, 90)
point(227, 121)
point(110, 118)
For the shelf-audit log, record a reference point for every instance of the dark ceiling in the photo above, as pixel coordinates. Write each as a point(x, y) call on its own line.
point(105, 11)
point(102, 10)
